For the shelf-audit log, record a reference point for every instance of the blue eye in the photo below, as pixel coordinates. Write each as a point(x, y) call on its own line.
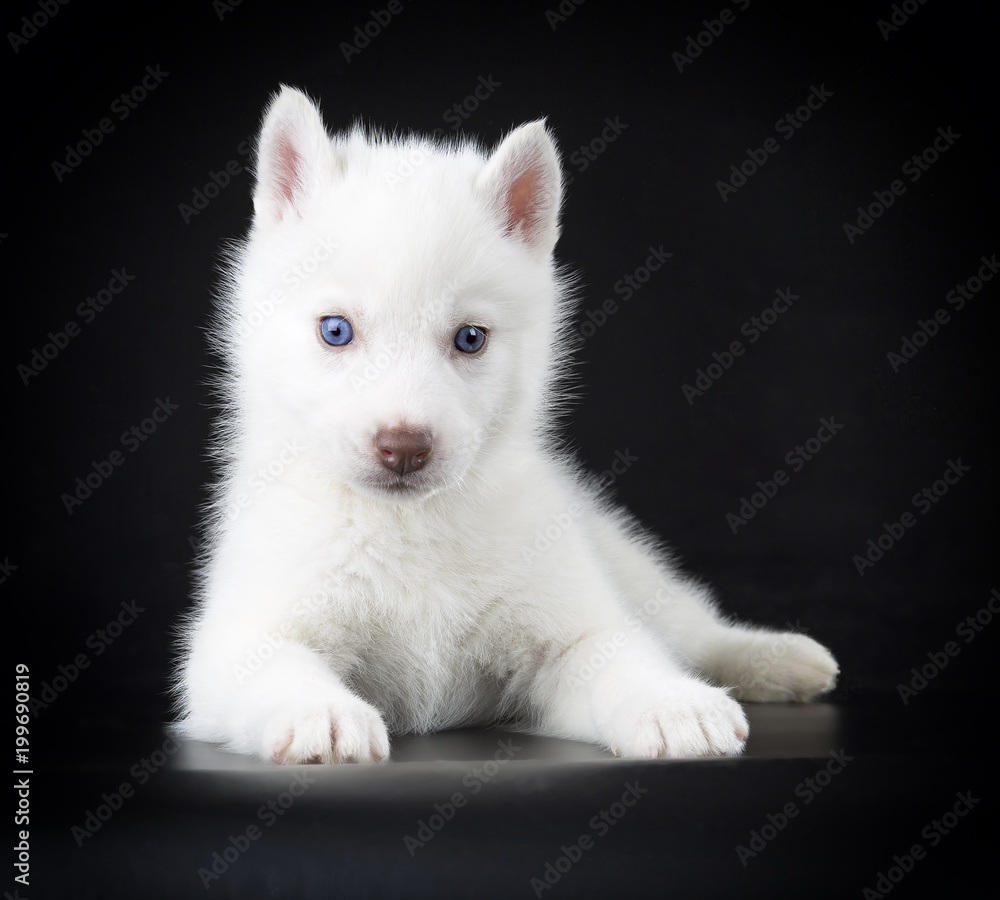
point(336, 331)
point(470, 339)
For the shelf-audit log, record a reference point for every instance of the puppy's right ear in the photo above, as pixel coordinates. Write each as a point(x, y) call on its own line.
point(294, 158)
point(522, 183)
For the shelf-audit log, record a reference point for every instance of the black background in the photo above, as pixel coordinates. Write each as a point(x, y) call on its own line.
point(67, 574)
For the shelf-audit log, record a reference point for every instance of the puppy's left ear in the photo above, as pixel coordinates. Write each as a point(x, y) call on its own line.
point(295, 158)
point(523, 185)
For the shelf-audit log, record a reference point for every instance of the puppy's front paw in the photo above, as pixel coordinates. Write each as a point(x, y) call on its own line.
point(341, 729)
point(786, 666)
point(684, 719)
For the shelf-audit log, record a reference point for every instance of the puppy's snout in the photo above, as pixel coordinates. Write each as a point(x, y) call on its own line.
point(403, 450)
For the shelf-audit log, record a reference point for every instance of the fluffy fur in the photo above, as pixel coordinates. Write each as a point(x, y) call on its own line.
point(396, 544)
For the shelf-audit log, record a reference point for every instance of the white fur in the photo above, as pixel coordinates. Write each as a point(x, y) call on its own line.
point(339, 601)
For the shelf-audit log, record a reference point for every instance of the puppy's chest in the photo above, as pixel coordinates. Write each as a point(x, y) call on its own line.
point(418, 593)
point(420, 634)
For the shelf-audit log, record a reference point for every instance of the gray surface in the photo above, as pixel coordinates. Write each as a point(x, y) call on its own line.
point(777, 731)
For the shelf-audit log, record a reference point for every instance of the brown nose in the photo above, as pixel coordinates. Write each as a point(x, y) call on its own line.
point(403, 450)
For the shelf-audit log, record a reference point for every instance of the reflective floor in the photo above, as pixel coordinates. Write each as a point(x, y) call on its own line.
point(829, 799)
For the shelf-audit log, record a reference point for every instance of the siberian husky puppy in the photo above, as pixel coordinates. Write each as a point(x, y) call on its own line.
point(396, 542)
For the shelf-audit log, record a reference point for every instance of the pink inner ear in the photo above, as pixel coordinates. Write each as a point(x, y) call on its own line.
point(287, 177)
point(523, 202)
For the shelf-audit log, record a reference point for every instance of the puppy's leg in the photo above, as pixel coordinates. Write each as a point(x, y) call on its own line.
point(767, 665)
point(623, 692)
point(755, 663)
point(290, 709)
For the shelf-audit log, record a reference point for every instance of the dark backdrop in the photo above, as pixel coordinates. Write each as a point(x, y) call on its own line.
point(653, 112)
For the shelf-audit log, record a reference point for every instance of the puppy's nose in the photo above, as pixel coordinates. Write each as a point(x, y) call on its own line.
point(403, 450)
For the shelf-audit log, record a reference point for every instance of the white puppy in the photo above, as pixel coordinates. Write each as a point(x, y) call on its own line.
point(396, 543)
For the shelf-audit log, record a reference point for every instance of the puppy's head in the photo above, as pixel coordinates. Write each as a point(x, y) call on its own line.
point(396, 303)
